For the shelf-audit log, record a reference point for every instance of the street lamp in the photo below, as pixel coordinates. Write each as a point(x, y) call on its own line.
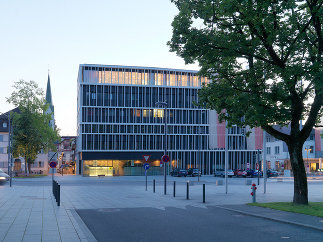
point(264, 150)
point(307, 150)
point(164, 104)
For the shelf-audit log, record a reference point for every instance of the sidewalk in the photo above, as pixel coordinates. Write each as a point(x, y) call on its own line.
point(31, 214)
point(298, 219)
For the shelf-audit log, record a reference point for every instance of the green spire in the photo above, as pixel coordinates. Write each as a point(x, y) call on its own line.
point(49, 95)
point(48, 92)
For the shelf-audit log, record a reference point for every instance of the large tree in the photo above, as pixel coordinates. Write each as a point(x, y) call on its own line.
point(265, 60)
point(31, 125)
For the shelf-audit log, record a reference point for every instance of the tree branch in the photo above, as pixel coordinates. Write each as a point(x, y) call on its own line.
point(277, 134)
point(310, 122)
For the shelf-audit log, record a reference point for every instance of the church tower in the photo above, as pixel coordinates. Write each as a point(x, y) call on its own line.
point(50, 103)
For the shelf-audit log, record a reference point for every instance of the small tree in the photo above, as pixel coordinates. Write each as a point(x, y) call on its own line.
point(31, 132)
point(265, 60)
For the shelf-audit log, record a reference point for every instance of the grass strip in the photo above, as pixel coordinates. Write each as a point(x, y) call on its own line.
point(313, 208)
point(31, 176)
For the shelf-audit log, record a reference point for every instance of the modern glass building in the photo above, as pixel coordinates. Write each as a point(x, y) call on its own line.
point(119, 122)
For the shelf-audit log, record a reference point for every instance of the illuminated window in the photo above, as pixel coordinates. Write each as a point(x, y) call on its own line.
point(121, 77)
point(195, 81)
point(172, 80)
point(184, 80)
point(146, 78)
point(114, 76)
point(127, 77)
point(134, 77)
point(140, 77)
point(138, 113)
point(160, 79)
point(108, 76)
point(158, 113)
point(145, 113)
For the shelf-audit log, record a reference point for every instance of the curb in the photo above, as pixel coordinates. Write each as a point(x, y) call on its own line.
point(273, 219)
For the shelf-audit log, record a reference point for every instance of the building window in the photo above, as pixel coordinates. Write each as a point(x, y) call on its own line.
point(311, 149)
point(276, 150)
point(4, 125)
point(267, 139)
point(268, 150)
point(3, 150)
point(1, 138)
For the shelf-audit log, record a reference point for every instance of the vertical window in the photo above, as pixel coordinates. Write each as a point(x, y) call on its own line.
point(276, 150)
point(268, 150)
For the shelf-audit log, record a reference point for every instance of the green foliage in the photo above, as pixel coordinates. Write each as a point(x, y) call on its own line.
point(264, 57)
point(31, 130)
point(265, 62)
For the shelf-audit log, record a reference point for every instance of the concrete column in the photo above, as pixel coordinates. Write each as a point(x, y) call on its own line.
point(320, 163)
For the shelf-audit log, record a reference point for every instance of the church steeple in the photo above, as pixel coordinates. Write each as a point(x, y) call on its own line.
point(49, 101)
point(49, 95)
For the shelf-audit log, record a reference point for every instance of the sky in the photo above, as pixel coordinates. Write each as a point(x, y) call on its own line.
point(41, 36)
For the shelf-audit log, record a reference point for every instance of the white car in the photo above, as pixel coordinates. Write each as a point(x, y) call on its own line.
point(220, 172)
point(3, 177)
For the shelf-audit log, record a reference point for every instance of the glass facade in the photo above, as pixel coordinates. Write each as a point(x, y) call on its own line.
point(117, 114)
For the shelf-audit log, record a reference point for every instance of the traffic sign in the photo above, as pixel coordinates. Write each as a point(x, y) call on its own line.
point(146, 166)
point(53, 164)
point(165, 158)
point(146, 157)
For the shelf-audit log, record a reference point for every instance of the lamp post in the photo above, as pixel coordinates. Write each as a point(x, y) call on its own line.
point(307, 150)
point(264, 150)
point(164, 104)
point(199, 154)
point(226, 158)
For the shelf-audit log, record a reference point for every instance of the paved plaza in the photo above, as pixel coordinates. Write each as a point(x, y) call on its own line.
point(28, 211)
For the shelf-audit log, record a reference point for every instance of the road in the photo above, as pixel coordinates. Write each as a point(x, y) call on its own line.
point(190, 224)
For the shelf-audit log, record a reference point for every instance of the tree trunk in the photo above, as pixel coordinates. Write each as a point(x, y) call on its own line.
point(300, 178)
point(25, 165)
point(29, 167)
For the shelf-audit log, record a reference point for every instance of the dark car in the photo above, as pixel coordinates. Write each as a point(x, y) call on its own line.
point(193, 172)
point(254, 173)
point(271, 173)
point(178, 172)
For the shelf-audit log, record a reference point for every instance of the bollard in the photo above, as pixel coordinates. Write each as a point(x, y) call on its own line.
point(253, 193)
point(154, 186)
point(203, 193)
point(187, 190)
point(58, 195)
point(174, 189)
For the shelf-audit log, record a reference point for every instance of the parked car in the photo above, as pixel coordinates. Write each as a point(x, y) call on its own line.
point(178, 172)
point(254, 173)
point(4, 177)
point(242, 173)
point(271, 173)
point(221, 172)
point(193, 172)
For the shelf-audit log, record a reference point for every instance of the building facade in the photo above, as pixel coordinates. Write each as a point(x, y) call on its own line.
point(119, 121)
point(66, 155)
point(277, 155)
